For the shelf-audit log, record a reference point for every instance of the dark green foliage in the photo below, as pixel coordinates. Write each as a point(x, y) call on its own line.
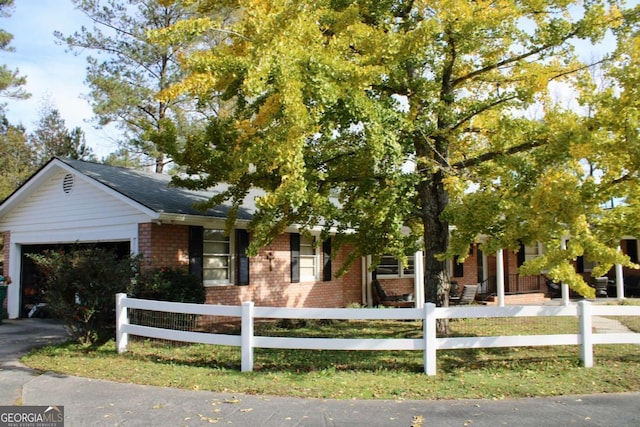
point(80, 288)
point(168, 284)
point(81, 284)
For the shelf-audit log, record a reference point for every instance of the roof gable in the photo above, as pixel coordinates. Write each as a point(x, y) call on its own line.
point(149, 192)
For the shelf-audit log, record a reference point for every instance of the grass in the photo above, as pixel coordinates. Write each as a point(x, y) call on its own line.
point(468, 373)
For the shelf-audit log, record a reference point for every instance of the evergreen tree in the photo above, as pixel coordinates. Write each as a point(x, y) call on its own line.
point(128, 71)
point(52, 138)
point(17, 158)
point(11, 81)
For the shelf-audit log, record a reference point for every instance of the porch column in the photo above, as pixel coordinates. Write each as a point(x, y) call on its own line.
point(500, 277)
point(619, 280)
point(418, 279)
point(367, 298)
point(563, 286)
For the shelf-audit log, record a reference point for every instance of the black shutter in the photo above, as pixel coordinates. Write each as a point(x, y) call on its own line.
point(458, 267)
point(294, 239)
point(196, 239)
point(632, 250)
point(521, 256)
point(326, 260)
point(580, 264)
point(242, 243)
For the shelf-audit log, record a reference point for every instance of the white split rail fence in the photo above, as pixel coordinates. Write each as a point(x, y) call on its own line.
point(429, 343)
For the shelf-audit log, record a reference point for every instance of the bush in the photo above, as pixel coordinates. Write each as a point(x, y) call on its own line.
point(168, 284)
point(80, 288)
point(81, 284)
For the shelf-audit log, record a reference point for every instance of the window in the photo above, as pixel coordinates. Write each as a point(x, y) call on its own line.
point(531, 252)
point(585, 265)
point(391, 267)
point(217, 259)
point(305, 258)
point(308, 259)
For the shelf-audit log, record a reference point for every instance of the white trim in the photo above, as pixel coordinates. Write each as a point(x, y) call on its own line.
point(401, 274)
point(115, 233)
point(49, 170)
point(500, 276)
point(418, 280)
point(121, 233)
point(232, 261)
point(315, 257)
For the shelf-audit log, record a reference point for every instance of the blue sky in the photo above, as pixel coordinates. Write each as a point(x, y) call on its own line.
point(52, 74)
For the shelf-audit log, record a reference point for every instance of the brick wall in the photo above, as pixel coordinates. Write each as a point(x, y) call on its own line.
point(398, 286)
point(270, 282)
point(533, 298)
point(164, 245)
point(469, 270)
point(5, 252)
point(270, 272)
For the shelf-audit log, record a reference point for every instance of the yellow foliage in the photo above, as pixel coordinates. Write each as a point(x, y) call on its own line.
point(268, 111)
point(333, 98)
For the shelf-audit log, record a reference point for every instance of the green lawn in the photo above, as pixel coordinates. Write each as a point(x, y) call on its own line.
point(477, 373)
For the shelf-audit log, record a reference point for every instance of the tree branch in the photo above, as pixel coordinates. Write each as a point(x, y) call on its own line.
point(512, 59)
point(486, 107)
point(464, 164)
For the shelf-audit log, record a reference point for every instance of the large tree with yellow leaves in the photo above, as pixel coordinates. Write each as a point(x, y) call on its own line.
point(382, 116)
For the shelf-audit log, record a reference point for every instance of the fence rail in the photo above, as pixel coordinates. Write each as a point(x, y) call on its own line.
point(429, 343)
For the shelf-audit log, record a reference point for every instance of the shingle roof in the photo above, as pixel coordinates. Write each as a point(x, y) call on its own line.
point(155, 192)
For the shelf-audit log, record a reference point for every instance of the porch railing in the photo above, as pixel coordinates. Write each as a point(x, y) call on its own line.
point(522, 284)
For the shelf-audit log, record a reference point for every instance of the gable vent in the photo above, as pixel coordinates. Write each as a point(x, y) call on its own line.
point(67, 183)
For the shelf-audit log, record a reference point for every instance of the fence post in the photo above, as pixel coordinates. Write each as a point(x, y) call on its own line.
point(247, 336)
point(429, 332)
point(122, 318)
point(586, 334)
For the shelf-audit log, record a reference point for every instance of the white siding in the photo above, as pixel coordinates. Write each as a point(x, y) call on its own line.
point(47, 214)
point(78, 214)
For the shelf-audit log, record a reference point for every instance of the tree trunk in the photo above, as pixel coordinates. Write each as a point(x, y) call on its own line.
point(434, 199)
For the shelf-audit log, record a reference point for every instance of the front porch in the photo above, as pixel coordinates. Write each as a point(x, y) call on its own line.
point(515, 284)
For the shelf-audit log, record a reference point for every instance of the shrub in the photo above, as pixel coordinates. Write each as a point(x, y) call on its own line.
point(168, 284)
point(80, 288)
point(81, 283)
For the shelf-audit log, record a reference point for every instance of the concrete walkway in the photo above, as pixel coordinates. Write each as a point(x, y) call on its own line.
point(103, 403)
point(605, 325)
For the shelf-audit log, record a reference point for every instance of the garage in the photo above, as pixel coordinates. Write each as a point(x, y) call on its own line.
point(33, 298)
point(59, 207)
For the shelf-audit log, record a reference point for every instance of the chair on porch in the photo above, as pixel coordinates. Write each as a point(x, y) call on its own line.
point(467, 297)
point(380, 297)
point(555, 290)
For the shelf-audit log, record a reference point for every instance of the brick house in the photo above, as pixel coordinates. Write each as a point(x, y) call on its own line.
point(482, 268)
point(75, 202)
